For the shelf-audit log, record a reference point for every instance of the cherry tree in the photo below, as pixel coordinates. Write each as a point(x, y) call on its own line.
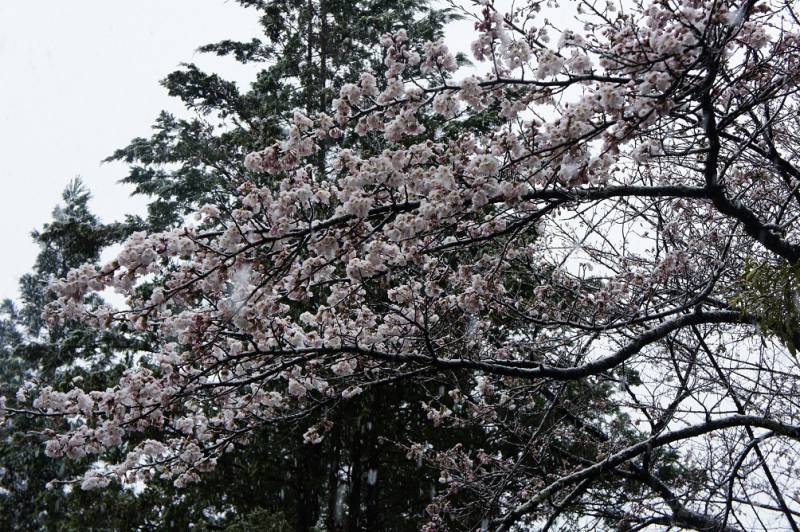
point(592, 256)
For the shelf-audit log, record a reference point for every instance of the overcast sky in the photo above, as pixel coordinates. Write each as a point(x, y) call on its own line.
point(79, 80)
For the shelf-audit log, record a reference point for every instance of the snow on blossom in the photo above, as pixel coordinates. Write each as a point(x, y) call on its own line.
point(94, 480)
point(344, 367)
point(517, 54)
point(352, 391)
point(312, 436)
point(296, 388)
point(445, 104)
point(484, 165)
point(437, 55)
point(549, 64)
point(471, 92)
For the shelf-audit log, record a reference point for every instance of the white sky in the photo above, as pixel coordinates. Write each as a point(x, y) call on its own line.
point(79, 80)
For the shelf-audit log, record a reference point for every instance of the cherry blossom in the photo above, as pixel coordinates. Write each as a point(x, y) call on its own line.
point(585, 222)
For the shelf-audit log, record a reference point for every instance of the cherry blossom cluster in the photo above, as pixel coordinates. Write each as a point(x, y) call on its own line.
point(565, 215)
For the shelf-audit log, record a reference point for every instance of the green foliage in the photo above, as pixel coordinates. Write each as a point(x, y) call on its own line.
point(770, 292)
point(30, 350)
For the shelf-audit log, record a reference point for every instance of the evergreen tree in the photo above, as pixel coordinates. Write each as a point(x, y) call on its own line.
point(308, 50)
point(357, 478)
point(59, 355)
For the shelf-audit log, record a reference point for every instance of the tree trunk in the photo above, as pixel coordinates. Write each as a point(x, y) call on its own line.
point(356, 472)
